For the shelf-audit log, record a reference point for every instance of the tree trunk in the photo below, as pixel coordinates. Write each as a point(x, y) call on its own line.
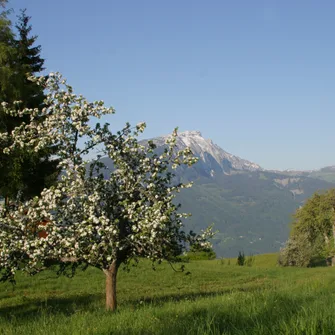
point(111, 274)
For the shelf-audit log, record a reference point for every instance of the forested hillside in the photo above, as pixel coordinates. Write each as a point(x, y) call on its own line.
point(250, 210)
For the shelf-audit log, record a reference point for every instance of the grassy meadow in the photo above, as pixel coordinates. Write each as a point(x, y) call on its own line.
point(209, 297)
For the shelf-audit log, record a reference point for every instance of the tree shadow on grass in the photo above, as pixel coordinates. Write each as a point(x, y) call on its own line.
point(72, 304)
point(190, 296)
point(213, 317)
point(55, 305)
point(267, 316)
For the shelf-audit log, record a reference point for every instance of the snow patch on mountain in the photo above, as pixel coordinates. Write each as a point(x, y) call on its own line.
point(212, 156)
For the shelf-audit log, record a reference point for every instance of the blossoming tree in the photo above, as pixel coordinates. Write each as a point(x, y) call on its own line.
point(90, 219)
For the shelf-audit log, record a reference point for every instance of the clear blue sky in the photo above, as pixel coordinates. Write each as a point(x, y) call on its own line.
point(257, 77)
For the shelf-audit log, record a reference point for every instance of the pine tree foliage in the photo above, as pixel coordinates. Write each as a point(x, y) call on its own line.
point(6, 52)
point(22, 173)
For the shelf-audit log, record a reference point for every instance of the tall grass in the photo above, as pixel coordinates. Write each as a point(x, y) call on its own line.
point(214, 298)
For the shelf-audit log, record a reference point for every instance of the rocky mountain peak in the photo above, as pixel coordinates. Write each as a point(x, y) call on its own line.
point(212, 158)
point(190, 133)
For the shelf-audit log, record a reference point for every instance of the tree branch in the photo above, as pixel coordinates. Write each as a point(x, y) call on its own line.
point(6, 226)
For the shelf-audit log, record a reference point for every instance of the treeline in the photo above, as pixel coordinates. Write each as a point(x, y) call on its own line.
point(22, 175)
point(312, 240)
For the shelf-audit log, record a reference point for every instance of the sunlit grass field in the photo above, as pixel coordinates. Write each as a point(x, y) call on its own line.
point(209, 297)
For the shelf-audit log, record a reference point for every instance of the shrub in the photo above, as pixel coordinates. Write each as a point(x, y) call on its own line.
point(298, 251)
point(250, 260)
point(240, 258)
point(201, 255)
point(222, 261)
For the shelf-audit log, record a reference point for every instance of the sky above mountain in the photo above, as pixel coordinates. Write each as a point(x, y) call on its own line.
point(257, 77)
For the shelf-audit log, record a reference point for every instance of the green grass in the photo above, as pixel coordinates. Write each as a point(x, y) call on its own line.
point(214, 298)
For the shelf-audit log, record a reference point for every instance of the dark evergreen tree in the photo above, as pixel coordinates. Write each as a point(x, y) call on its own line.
point(28, 62)
point(25, 173)
point(6, 51)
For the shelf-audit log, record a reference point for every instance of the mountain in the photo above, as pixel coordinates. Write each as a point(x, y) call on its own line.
point(251, 207)
point(326, 173)
point(212, 159)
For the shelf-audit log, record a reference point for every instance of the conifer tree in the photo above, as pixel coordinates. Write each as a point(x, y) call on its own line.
point(6, 49)
point(28, 62)
point(23, 173)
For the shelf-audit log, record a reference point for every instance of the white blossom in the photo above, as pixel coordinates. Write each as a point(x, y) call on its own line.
point(94, 219)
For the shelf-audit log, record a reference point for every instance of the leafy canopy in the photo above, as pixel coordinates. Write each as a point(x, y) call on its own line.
point(313, 233)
